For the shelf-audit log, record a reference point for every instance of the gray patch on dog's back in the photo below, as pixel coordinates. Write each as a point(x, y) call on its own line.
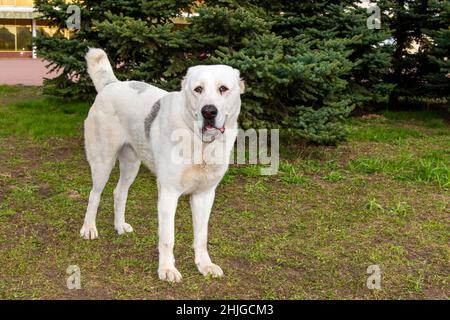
point(139, 86)
point(150, 118)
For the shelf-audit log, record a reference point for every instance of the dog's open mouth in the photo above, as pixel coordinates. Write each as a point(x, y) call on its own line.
point(210, 128)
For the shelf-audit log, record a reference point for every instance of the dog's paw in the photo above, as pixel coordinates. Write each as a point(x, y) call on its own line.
point(210, 269)
point(122, 228)
point(89, 232)
point(169, 274)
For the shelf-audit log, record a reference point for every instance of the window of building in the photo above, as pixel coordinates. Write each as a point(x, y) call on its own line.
point(15, 35)
point(24, 38)
point(7, 38)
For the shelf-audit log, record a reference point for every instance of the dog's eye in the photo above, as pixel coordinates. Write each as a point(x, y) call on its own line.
point(223, 89)
point(198, 89)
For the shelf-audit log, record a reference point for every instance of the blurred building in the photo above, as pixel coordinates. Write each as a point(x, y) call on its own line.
point(18, 25)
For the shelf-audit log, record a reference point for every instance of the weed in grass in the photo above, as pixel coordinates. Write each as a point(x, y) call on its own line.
point(400, 209)
point(259, 186)
point(287, 167)
point(397, 250)
point(15, 161)
point(6, 213)
point(247, 214)
point(373, 205)
point(297, 226)
point(332, 164)
point(23, 191)
point(368, 165)
point(400, 142)
point(228, 177)
point(311, 166)
point(414, 284)
point(290, 174)
point(251, 170)
point(317, 154)
point(334, 176)
point(359, 181)
point(294, 179)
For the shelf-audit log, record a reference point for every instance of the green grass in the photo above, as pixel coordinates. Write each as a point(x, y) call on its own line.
point(309, 232)
point(398, 126)
point(382, 133)
point(431, 167)
point(334, 176)
point(42, 118)
point(427, 119)
point(9, 89)
point(291, 174)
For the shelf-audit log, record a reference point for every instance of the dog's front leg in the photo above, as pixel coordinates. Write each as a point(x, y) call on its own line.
point(167, 205)
point(201, 204)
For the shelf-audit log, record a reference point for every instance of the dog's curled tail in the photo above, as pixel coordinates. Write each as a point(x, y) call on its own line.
point(99, 68)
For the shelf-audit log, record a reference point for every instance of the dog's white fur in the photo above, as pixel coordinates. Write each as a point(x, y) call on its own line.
point(115, 128)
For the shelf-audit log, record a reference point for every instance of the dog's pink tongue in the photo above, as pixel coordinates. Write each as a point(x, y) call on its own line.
point(210, 127)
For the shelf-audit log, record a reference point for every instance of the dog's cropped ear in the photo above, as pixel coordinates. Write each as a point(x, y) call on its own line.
point(184, 82)
point(241, 81)
point(242, 85)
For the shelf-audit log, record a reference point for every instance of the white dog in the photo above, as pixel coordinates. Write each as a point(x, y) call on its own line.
point(135, 122)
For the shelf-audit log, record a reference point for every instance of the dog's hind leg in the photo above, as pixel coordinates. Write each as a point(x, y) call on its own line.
point(102, 145)
point(129, 168)
point(100, 175)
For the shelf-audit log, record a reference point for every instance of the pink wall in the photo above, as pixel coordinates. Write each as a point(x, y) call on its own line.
point(23, 71)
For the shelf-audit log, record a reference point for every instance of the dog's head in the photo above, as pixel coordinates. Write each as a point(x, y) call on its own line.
point(213, 97)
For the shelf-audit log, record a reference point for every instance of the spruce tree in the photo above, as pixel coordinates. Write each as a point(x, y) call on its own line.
point(306, 64)
point(139, 37)
point(419, 29)
point(437, 72)
point(306, 68)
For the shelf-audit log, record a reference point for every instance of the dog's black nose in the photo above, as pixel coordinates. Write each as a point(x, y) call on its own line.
point(209, 111)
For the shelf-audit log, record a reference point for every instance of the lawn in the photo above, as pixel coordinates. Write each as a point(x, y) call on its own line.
point(309, 232)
